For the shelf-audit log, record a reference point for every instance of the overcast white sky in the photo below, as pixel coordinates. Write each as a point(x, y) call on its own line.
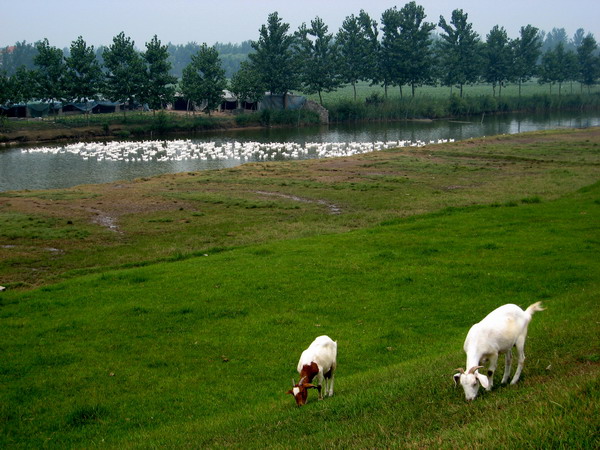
point(210, 21)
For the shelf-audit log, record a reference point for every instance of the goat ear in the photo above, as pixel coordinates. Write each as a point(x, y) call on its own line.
point(290, 392)
point(456, 377)
point(310, 386)
point(482, 379)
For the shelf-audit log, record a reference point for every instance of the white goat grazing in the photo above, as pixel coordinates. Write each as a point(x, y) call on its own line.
point(500, 331)
point(319, 360)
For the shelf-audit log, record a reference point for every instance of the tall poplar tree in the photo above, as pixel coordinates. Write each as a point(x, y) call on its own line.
point(526, 50)
point(159, 85)
point(203, 80)
point(498, 57)
point(274, 58)
point(319, 69)
point(558, 66)
point(83, 75)
point(125, 70)
point(50, 72)
point(416, 64)
point(589, 63)
point(358, 50)
point(391, 50)
point(459, 51)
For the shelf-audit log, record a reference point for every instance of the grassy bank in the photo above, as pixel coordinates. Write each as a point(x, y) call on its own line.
point(199, 351)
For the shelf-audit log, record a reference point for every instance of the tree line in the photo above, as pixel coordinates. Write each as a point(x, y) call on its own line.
point(401, 50)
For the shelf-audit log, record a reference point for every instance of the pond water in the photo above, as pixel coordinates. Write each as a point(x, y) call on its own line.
point(62, 166)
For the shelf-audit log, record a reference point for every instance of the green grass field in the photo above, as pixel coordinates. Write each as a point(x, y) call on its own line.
point(199, 351)
point(364, 90)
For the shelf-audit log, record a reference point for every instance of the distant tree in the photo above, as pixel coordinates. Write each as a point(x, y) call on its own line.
point(159, 85)
point(578, 38)
point(553, 38)
point(232, 55)
point(203, 80)
point(459, 51)
point(246, 84)
point(125, 71)
point(15, 56)
point(526, 52)
point(83, 74)
point(180, 56)
point(558, 66)
point(274, 58)
point(589, 63)
point(319, 71)
point(357, 59)
point(50, 72)
point(23, 85)
point(498, 59)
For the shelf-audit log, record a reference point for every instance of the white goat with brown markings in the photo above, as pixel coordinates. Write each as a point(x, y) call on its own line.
point(318, 360)
point(500, 331)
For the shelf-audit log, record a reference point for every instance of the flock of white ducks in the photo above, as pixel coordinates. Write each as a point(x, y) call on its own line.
point(186, 149)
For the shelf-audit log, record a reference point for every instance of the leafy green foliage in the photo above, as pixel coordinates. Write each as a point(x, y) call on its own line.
point(319, 69)
point(498, 59)
point(246, 84)
point(589, 61)
point(159, 87)
point(459, 51)
point(407, 46)
point(203, 79)
point(526, 49)
point(83, 77)
point(274, 58)
point(125, 70)
point(50, 72)
point(558, 66)
point(5, 88)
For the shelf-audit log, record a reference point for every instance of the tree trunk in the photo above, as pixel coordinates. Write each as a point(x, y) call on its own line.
point(400, 91)
point(321, 98)
point(413, 90)
point(354, 87)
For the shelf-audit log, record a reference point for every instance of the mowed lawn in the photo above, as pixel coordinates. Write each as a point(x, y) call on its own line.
point(200, 352)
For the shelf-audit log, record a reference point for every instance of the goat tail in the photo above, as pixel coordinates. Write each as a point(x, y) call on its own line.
point(537, 306)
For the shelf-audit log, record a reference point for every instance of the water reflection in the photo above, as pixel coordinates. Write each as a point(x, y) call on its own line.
point(20, 170)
